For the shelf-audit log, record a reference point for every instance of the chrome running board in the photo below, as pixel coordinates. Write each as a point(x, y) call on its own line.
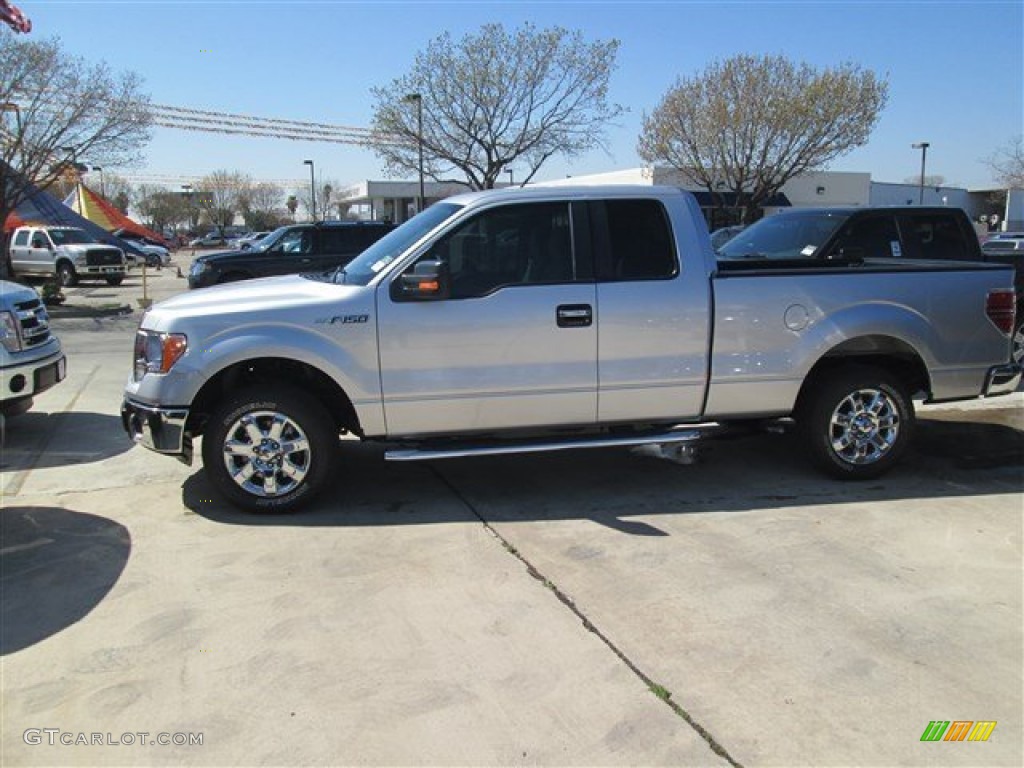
point(423, 453)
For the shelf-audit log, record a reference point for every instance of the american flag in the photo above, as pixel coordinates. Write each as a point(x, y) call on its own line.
point(11, 15)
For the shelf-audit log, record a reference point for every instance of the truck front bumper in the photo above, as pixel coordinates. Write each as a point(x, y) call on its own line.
point(159, 429)
point(1002, 380)
point(22, 381)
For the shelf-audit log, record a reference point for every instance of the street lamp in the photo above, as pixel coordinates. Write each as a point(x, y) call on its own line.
point(418, 98)
point(103, 187)
point(312, 187)
point(923, 146)
point(509, 172)
point(10, 106)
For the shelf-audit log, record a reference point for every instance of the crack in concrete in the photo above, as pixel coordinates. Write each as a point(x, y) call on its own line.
point(662, 693)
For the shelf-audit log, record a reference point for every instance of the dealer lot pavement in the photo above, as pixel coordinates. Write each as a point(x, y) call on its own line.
point(518, 610)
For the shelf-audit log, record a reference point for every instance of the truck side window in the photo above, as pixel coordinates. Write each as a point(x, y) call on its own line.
point(508, 246)
point(871, 237)
point(933, 236)
point(21, 238)
point(640, 240)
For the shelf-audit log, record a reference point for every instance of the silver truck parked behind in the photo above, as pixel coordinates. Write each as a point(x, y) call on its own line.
point(67, 253)
point(554, 318)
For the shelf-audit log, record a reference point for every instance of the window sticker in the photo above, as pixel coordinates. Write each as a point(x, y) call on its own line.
point(808, 250)
point(894, 246)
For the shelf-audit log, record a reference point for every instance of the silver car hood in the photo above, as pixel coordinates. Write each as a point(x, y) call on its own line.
point(253, 300)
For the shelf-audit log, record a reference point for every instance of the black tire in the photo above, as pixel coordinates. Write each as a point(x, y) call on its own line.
point(115, 280)
point(152, 260)
point(66, 275)
point(855, 422)
point(260, 482)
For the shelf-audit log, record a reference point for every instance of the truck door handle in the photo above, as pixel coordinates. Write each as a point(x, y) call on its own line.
point(574, 315)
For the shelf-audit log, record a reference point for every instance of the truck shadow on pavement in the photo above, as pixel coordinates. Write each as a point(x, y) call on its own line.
point(30, 440)
point(613, 487)
point(57, 566)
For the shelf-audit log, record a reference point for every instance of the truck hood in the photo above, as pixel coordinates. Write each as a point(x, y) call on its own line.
point(287, 296)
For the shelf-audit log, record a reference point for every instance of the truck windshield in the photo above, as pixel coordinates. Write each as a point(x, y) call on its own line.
point(69, 236)
point(269, 240)
point(784, 236)
point(367, 265)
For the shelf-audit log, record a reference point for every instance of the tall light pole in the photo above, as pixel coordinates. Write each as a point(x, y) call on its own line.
point(923, 146)
point(509, 172)
point(312, 187)
point(418, 98)
point(103, 187)
point(10, 106)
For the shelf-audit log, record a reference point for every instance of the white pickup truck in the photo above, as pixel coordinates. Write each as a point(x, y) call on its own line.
point(67, 253)
point(554, 318)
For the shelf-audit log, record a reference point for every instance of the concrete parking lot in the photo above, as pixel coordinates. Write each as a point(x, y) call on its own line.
point(601, 607)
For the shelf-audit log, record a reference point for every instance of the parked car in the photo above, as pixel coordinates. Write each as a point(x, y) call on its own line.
point(67, 253)
point(290, 250)
point(208, 241)
point(155, 254)
point(555, 318)
point(253, 240)
point(30, 355)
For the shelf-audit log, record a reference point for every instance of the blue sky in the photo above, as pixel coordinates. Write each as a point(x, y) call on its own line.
point(955, 69)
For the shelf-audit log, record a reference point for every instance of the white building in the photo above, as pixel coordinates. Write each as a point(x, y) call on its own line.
point(396, 200)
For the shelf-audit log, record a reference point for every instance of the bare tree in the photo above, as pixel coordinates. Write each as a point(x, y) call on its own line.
point(324, 198)
point(749, 124)
point(57, 111)
point(263, 205)
point(494, 99)
point(1007, 163)
point(161, 208)
point(220, 195)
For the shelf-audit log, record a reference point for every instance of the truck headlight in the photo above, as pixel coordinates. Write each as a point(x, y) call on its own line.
point(10, 332)
point(157, 352)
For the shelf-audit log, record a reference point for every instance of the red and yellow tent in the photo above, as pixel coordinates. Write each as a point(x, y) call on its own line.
point(91, 206)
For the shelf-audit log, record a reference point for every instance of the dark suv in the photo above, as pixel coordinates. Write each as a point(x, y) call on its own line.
point(290, 250)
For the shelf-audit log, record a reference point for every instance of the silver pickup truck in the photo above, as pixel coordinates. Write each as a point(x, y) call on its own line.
point(547, 319)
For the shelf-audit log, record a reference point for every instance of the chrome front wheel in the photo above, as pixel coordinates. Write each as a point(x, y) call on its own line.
point(266, 454)
point(270, 448)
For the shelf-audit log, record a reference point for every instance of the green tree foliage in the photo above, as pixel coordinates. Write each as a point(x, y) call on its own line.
point(57, 111)
point(161, 208)
point(262, 206)
point(494, 99)
point(749, 124)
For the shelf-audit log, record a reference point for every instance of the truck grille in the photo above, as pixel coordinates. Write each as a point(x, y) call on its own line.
point(102, 257)
point(35, 322)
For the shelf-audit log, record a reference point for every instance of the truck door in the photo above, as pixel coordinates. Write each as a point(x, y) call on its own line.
point(653, 318)
point(19, 250)
point(40, 253)
point(513, 345)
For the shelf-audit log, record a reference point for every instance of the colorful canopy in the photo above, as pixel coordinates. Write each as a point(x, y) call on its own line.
point(87, 203)
point(43, 209)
